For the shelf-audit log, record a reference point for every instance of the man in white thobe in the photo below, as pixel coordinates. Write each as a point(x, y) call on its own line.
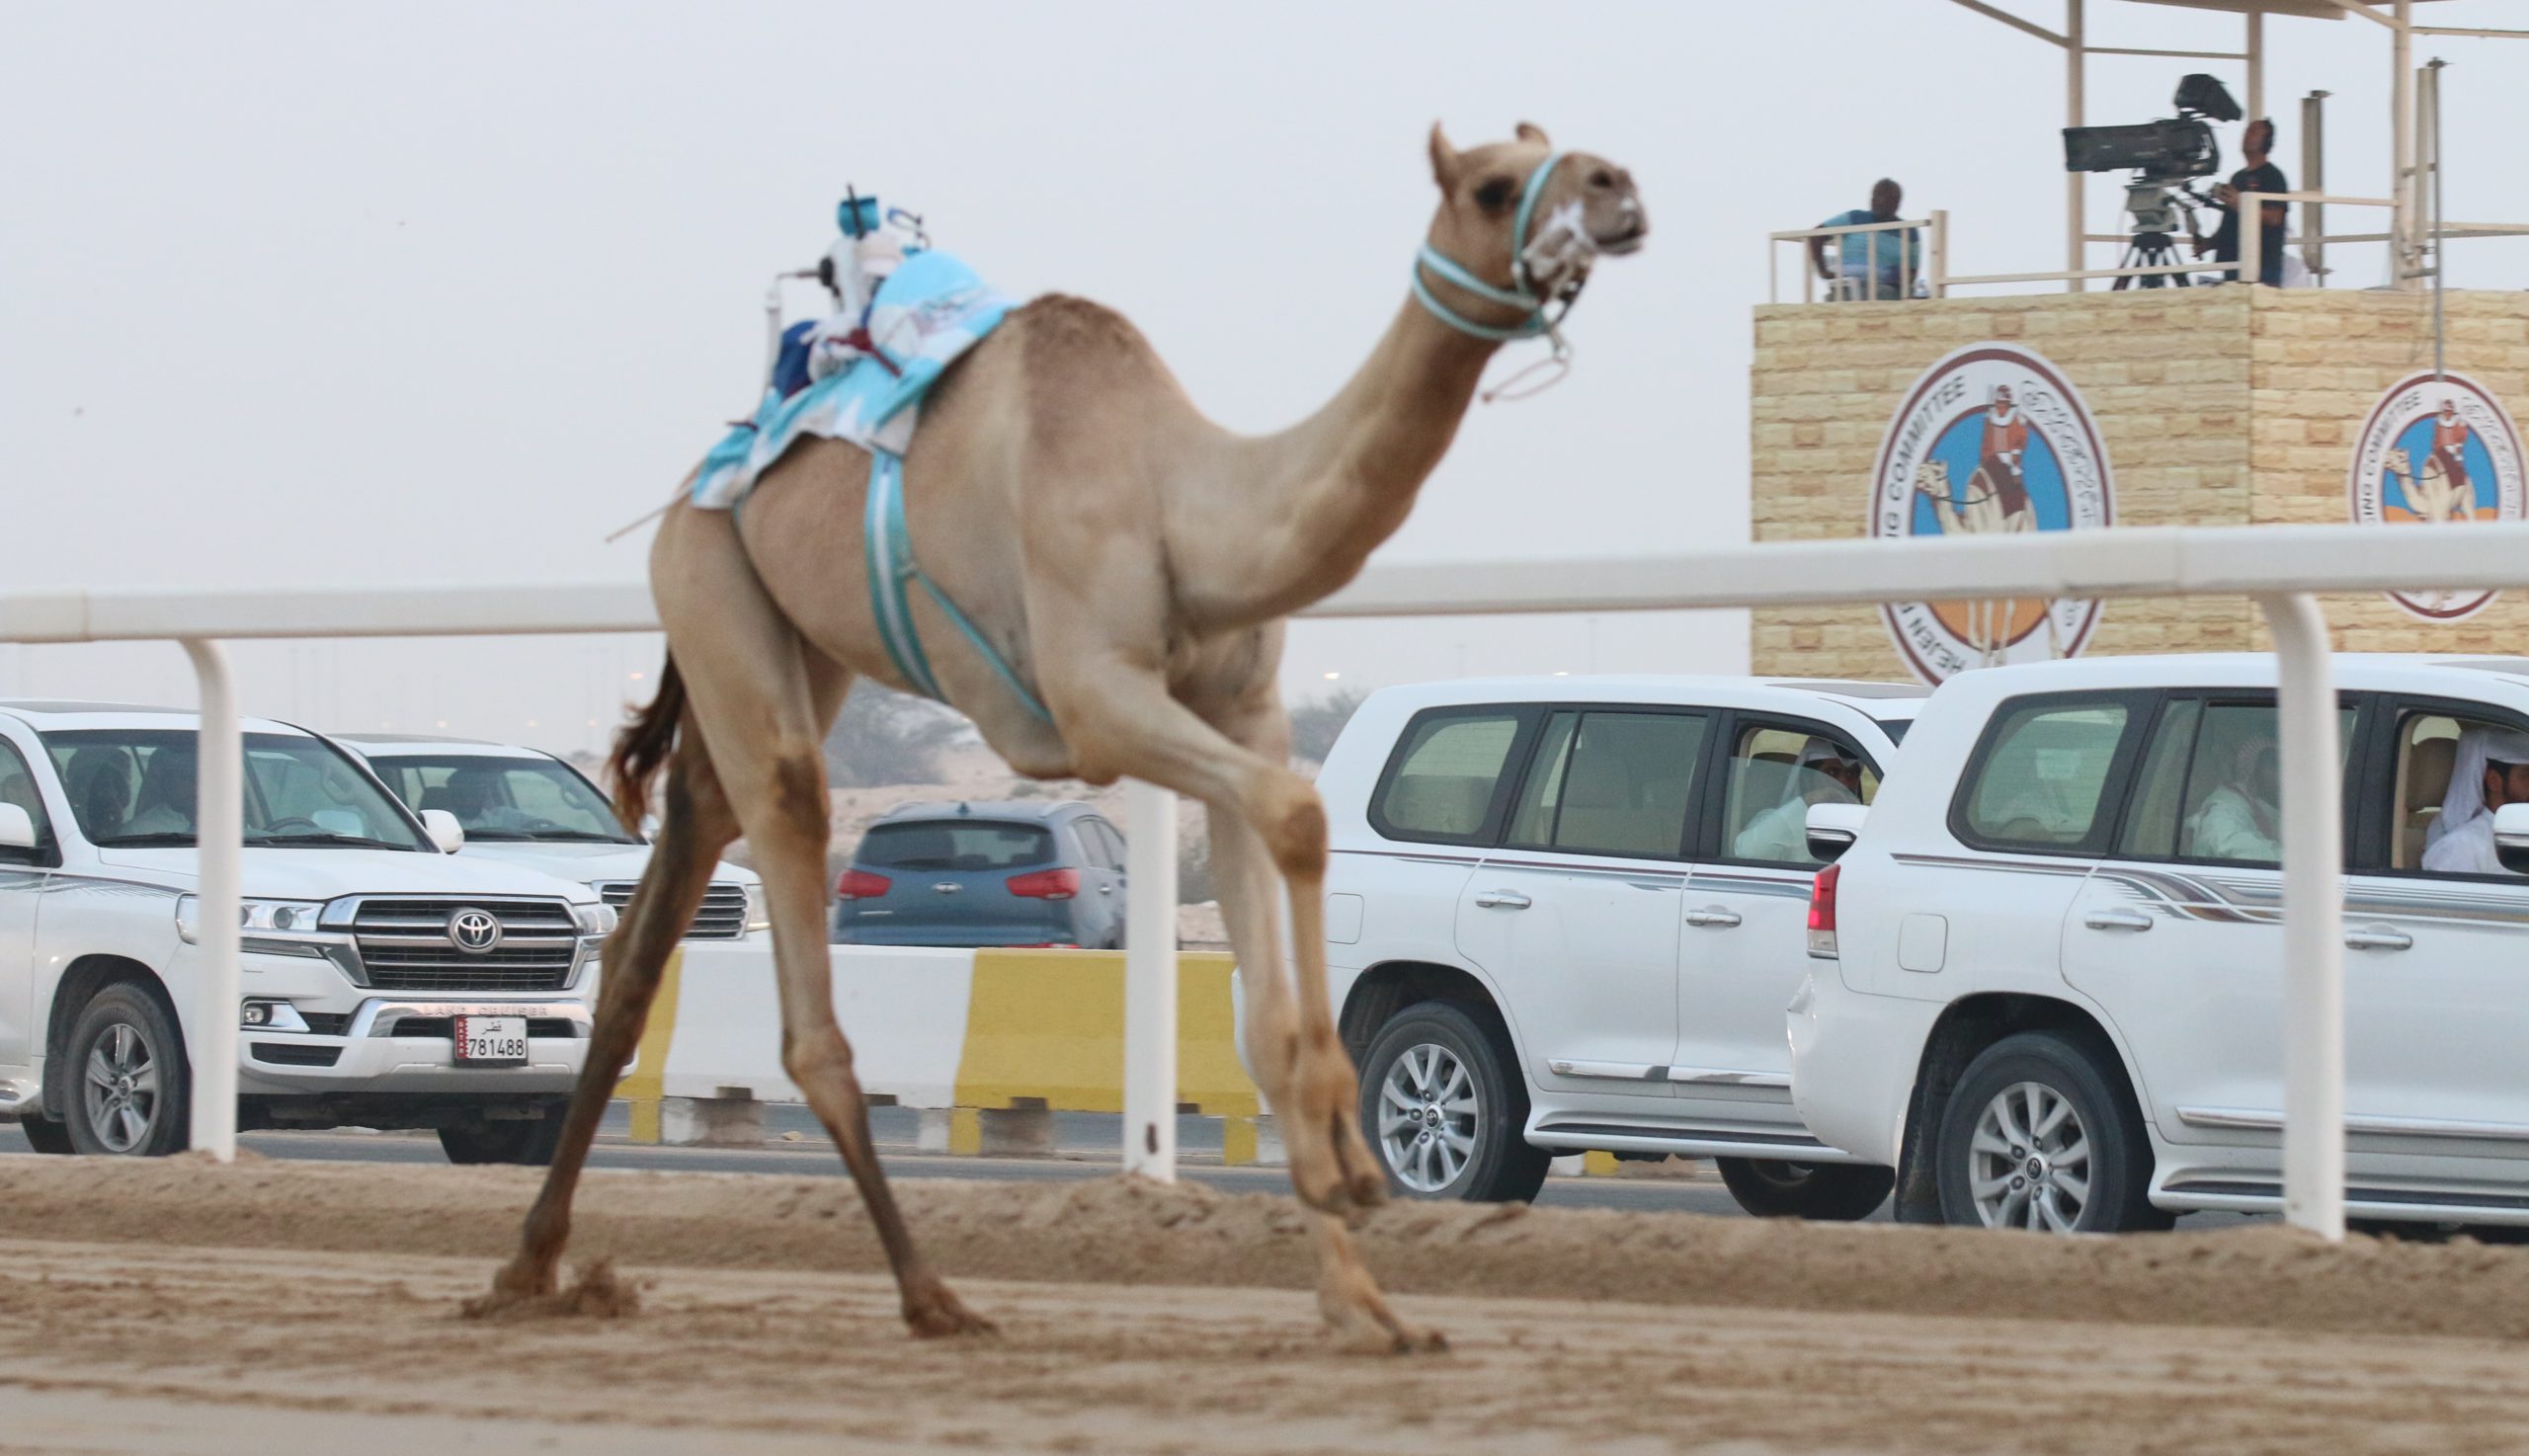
point(2489, 769)
point(1826, 774)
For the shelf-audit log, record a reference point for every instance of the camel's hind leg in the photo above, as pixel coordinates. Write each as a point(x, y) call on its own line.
point(694, 827)
point(765, 701)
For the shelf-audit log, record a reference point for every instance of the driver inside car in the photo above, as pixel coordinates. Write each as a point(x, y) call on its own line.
point(2489, 769)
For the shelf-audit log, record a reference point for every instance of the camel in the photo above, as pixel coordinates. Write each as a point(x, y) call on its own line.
point(2435, 498)
point(1989, 621)
point(1132, 563)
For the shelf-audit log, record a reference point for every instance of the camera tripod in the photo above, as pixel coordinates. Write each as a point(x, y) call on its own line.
point(2148, 250)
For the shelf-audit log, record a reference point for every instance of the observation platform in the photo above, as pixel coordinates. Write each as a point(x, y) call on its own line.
point(2202, 406)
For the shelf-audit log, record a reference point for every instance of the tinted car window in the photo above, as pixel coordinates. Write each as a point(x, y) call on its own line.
point(137, 786)
point(955, 845)
point(1542, 795)
point(2151, 824)
point(2037, 778)
point(1775, 773)
point(1441, 781)
point(1626, 784)
point(504, 799)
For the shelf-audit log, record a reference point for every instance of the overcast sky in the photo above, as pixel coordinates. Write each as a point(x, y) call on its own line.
point(339, 292)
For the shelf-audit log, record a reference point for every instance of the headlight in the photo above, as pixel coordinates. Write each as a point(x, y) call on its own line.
point(595, 919)
point(254, 916)
point(759, 911)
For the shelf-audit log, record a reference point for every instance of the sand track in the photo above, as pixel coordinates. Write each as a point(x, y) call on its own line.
point(181, 1307)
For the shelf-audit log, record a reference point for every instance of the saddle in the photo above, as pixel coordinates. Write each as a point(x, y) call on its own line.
point(926, 316)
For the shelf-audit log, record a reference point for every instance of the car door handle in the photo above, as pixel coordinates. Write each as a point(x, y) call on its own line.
point(1713, 915)
point(1501, 900)
point(2378, 937)
point(2117, 920)
point(1107, 889)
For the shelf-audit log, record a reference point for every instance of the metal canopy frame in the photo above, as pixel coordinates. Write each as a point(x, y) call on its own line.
point(2397, 16)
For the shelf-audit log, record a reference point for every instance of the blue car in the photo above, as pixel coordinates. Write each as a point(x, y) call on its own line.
point(987, 873)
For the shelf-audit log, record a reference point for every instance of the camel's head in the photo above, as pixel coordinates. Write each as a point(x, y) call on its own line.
point(1586, 207)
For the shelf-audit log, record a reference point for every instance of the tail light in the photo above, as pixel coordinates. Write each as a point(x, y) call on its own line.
point(1822, 912)
point(861, 884)
point(1047, 884)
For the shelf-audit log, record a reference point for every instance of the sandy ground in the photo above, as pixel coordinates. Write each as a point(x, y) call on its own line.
point(274, 1306)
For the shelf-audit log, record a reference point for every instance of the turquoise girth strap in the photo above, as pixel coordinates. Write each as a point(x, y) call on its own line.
point(1518, 295)
point(887, 554)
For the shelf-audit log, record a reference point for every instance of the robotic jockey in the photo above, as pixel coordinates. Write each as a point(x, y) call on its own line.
point(873, 245)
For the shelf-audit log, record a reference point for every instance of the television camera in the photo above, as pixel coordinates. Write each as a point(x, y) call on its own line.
point(2164, 156)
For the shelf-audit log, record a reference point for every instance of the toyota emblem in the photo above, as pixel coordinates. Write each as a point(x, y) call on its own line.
point(475, 931)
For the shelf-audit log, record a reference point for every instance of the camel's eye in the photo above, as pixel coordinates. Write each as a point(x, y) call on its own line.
point(1493, 194)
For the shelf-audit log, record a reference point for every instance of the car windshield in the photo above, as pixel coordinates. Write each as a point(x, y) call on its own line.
point(952, 844)
point(505, 799)
point(135, 787)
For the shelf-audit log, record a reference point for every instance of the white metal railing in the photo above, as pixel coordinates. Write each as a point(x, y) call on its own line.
point(2279, 567)
point(1910, 268)
point(1937, 278)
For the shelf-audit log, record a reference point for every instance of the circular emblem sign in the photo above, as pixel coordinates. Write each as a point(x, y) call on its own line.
point(1991, 441)
point(2438, 450)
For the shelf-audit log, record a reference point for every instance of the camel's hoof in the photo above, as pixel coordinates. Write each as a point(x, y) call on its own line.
point(945, 1317)
point(596, 1294)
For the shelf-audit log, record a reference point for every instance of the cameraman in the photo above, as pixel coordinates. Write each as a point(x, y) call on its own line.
point(2258, 176)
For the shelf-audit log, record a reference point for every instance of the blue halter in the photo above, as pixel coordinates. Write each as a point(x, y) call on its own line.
point(1518, 295)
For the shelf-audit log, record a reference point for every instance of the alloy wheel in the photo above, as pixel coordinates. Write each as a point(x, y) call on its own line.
point(2030, 1163)
point(1427, 1112)
point(121, 1088)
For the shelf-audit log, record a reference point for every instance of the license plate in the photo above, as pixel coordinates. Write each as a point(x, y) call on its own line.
point(491, 1040)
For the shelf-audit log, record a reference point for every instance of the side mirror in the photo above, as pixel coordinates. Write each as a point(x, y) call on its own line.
point(2510, 836)
point(1833, 828)
point(443, 829)
point(18, 829)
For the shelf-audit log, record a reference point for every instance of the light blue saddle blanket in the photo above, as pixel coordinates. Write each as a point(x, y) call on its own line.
point(931, 311)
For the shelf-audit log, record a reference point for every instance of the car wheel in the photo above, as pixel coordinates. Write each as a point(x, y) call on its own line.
point(1830, 1192)
point(128, 1087)
point(1443, 1108)
point(525, 1139)
point(47, 1135)
point(2042, 1133)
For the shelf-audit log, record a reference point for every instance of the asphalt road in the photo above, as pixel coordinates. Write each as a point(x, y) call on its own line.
point(1086, 1146)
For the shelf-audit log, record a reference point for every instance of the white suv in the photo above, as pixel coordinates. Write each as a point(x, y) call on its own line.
point(1565, 914)
point(2051, 979)
point(530, 808)
point(386, 983)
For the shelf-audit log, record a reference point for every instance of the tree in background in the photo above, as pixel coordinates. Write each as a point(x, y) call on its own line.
point(1315, 724)
point(885, 737)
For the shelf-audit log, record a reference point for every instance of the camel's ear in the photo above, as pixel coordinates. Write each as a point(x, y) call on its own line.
point(1531, 132)
point(1444, 160)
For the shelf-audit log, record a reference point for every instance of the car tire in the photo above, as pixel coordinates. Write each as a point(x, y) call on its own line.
point(129, 1088)
point(529, 1141)
point(1994, 1173)
point(1827, 1192)
point(46, 1135)
point(1478, 1150)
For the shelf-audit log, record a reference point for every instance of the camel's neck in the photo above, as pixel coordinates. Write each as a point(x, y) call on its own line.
point(1285, 519)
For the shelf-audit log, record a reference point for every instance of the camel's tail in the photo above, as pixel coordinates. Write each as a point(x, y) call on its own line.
point(642, 747)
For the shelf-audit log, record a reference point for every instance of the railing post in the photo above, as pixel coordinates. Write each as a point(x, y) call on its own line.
point(219, 829)
point(2313, 917)
point(1150, 981)
point(1940, 252)
point(2251, 259)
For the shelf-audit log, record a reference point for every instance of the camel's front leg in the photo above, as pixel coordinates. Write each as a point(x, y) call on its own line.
point(1311, 1084)
point(696, 827)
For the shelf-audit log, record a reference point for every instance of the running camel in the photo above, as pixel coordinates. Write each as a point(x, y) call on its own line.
point(1131, 563)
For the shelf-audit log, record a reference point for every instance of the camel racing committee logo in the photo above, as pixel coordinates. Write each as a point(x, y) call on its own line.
point(2437, 451)
point(1991, 441)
